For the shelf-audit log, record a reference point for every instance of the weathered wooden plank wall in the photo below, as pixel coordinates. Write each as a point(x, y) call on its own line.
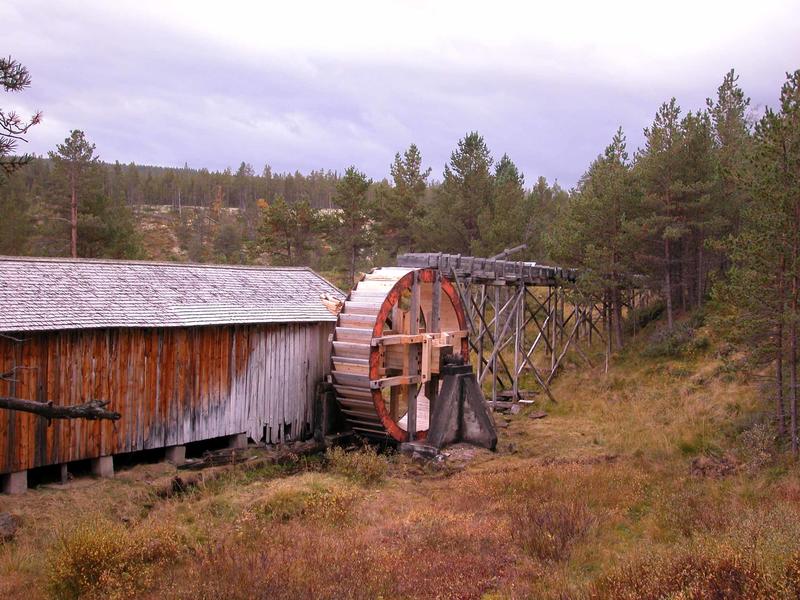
point(172, 386)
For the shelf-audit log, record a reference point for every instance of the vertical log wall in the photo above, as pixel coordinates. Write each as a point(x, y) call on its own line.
point(171, 385)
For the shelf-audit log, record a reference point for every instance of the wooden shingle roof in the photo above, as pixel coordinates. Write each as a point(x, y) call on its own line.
point(38, 294)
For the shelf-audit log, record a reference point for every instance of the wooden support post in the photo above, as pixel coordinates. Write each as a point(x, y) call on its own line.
point(481, 329)
point(553, 332)
point(413, 367)
point(517, 334)
point(495, 355)
point(496, 348)
point(607, 323)
point(436, 301)
point(432, 386)
point(64, 473)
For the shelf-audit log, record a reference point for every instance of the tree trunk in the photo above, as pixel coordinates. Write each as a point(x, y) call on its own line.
point(683, 282)
point(779, 406)
point(74, 218)
point(353, 267)
point(617, 316)
point(700, 283)
point(607, 319)
point(793, 334)
point(793, 371)
point(668, 282)
point(793, 328)
point(779, 416)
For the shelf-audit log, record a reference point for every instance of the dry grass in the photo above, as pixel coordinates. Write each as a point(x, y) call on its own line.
point(602, 499)
point(549, 531)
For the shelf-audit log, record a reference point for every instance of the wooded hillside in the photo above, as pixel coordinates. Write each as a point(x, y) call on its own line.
point(707, 209)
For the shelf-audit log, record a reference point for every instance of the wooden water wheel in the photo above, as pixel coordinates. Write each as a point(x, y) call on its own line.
point(390, 335)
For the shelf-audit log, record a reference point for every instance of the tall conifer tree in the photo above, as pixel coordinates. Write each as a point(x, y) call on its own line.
point(352, 233)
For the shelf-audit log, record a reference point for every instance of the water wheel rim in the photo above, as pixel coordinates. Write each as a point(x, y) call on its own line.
point(392, 298)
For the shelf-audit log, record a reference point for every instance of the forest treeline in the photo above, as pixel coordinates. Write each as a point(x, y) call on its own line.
point(708, 209)
point(330, 221)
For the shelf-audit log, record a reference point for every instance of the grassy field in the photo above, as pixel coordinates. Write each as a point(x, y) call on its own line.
point(659, 479)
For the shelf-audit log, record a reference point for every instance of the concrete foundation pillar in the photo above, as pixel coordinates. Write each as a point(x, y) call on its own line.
point(64, 473)
point(103, 466)
point(175, 455)
point(238, 441)
point(15, 483)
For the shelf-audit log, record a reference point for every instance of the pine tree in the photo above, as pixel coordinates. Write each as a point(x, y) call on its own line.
point(502, 222)
point(696, 207)
point(288, 233)
point(731, 132)
point(597, 231)
point(76, 161)
point(466, 190)
point(16, 213)
point(14, 77)
point(542, 208)
point(106, 229)
point(659, 166)
point(352, 229)
point(399, 209)
point(764, 283)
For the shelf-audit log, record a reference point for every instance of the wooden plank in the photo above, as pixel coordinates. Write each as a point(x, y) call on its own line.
point(171, 386)
point(392, 381)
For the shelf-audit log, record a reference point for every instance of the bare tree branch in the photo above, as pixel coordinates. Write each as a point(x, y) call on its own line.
point(13, 128)
point(92, 410)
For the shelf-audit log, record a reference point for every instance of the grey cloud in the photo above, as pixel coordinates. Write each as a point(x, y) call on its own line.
point(152, 96)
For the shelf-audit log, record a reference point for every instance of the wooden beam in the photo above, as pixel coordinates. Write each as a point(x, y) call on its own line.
point(413, 356)
point(436, 302)
point(394, 381)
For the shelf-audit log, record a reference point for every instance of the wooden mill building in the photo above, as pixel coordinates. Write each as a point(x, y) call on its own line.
point(184, 352)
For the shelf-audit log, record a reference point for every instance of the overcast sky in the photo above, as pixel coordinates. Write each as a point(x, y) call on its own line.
point(309, 85)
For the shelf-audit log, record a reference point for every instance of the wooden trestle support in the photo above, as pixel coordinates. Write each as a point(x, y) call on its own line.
point(522, 306)
point(398, 322)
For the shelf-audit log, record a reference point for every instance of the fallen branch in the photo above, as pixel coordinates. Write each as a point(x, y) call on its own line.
point(230, 456)
point(92, 410)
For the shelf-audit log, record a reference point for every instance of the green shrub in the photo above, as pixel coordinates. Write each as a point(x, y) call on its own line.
point(757, 445)
point(670, 344)
point(643, 316)
point(698, 318)
point(363, 466)
point(327, 505)
point(284, 505)
point(104, 559)
point(700, 344)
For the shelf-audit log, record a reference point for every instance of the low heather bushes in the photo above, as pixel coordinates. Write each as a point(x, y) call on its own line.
point(549, 531)
point(364, 466)
point(104, 559)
